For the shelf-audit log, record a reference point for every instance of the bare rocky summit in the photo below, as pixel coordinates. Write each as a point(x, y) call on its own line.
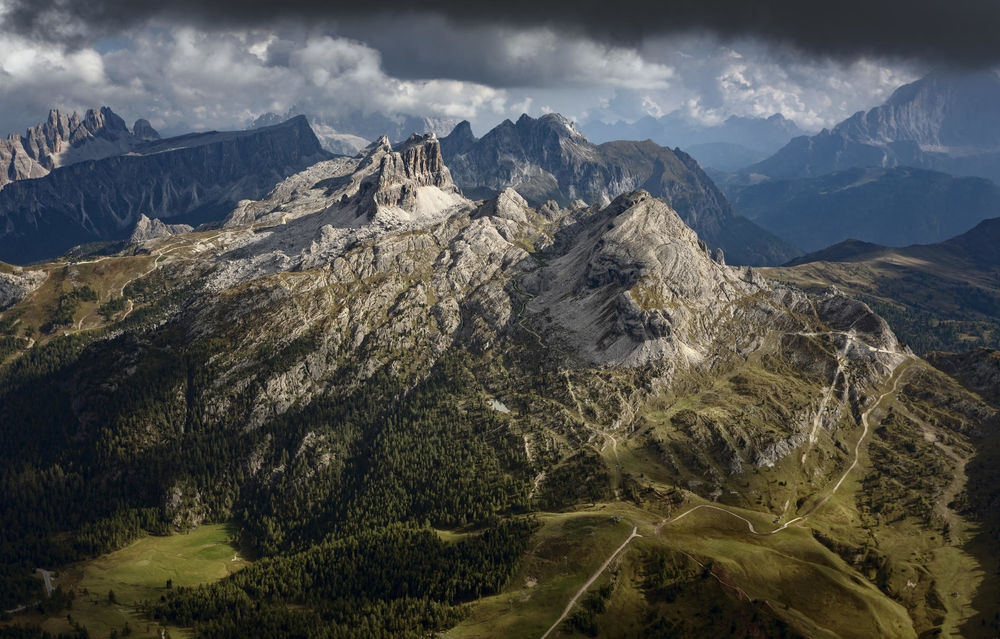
point(64, 139)
point(151, 229)
point(549, 159)
point(384, 256)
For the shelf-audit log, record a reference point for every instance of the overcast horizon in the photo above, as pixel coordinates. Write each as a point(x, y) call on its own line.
point(188, 68)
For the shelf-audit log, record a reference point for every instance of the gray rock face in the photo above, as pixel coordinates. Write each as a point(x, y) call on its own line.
point(151, 229)
point(67, 138)
point(188, 179)
point(143, 130)
point(945, 121)
point(630, 285)
point(17, 285)
point(417, 163)
point(638, 286)
point(548, 159)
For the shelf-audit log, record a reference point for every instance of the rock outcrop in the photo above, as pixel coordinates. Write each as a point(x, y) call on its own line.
point(17, 284)
point(549, 159)
point(397, 182)
point(64, 139)
point(151, 229)
point(945, 121)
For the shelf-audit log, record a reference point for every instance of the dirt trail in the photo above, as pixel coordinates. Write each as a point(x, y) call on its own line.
point(593, 578)
point(898, 375)
point(539, 478)
point(121, 291)
point(827, 396)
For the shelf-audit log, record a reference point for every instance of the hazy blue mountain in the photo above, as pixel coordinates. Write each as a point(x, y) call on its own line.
point(978, 249)
point(945, 121)
point(724, 156)
point(895, 207)
point(742, 135)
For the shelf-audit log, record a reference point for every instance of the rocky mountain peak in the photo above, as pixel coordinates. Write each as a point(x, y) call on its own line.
point(637, 286)
point(65, 139)
point(147, 228)
point(550, 124)
point(379, 190)
point(401, 174)
point(462, 131)
point(945, 121)
point(375, 150)
point(104, 122)
point(422, 160)
point(459, 141)
point(548, 159)
point(143, 130)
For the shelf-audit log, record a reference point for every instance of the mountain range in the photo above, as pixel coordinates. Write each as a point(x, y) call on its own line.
point(946, 121)
point(731, 145)
point(348, 134)
point(450, 414)
point(545, 159)
point(549, 159)
point(189, 179)
point(64, 139)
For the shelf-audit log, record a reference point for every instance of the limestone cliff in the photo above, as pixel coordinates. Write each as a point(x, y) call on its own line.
point(68, 138)
point(188, 179)
point(549, 159)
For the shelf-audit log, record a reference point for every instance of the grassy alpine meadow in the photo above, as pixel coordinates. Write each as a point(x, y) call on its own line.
point(140, 572)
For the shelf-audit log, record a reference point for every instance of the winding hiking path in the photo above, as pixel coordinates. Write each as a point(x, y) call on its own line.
point(593, 578)
point(156, 255)
point(898, 375)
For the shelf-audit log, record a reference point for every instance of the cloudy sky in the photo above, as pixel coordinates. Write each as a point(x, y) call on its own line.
point(194, 65)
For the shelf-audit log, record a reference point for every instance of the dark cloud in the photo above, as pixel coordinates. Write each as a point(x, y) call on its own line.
point(959, 31)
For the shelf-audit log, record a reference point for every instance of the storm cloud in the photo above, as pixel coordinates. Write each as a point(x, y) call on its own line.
point(961, 31)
